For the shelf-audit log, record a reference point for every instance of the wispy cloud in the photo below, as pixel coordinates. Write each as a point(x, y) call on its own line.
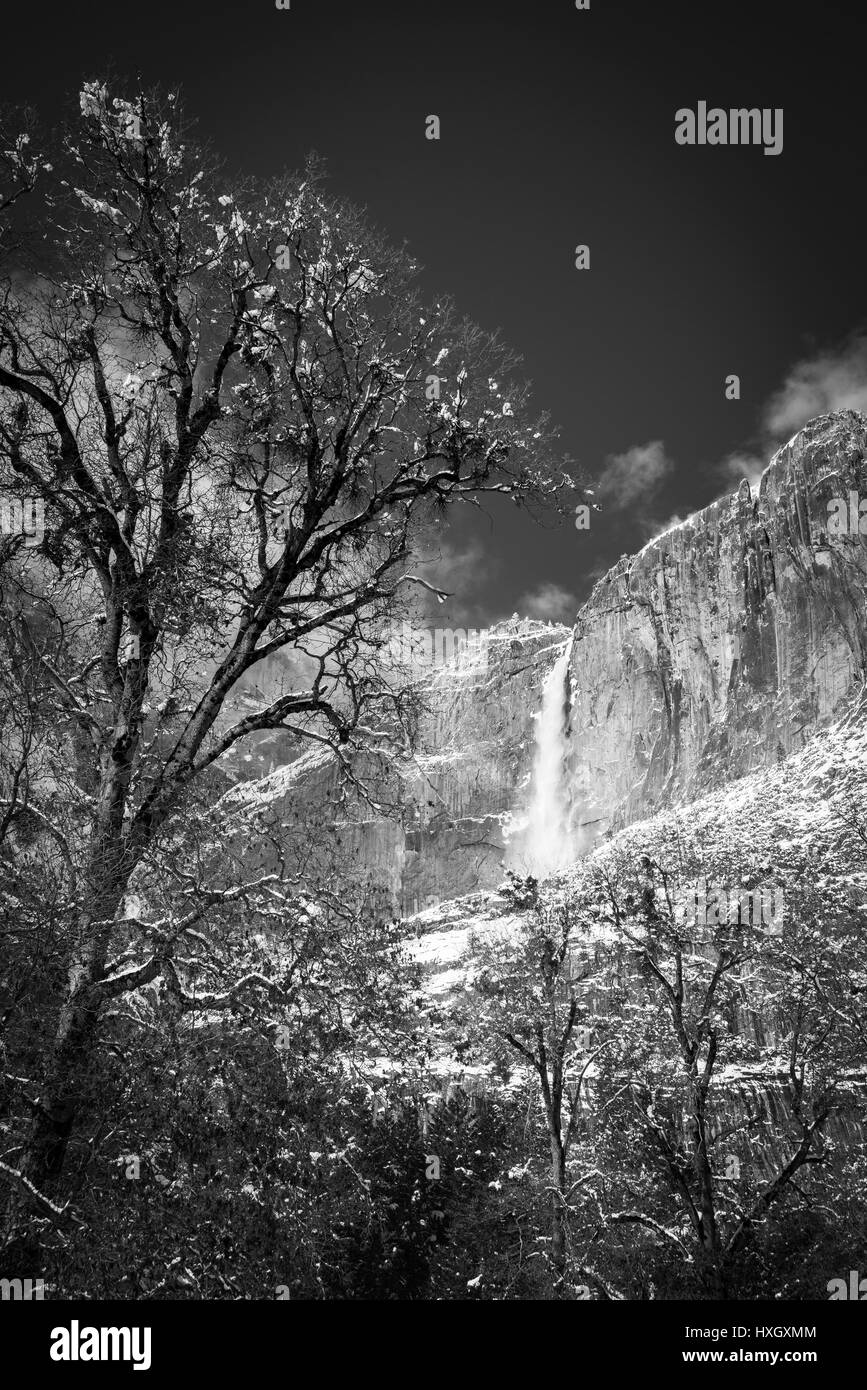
point(744, 463)
point(633, 475)
point(833, 379)
point(458, 570)
point(659, 528)
point(548, 601)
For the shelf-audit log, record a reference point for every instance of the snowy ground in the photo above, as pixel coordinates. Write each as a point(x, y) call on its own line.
point(775, 818)
point(440, 937)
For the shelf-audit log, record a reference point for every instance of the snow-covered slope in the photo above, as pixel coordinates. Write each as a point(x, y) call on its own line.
point(799, 816)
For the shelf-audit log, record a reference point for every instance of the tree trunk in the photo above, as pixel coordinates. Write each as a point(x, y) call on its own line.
point(558, 1207)
point(46, 1147)
point(62, 1092)
point(711, 1247)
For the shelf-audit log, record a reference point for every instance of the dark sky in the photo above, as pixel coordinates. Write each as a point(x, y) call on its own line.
point(557, 129)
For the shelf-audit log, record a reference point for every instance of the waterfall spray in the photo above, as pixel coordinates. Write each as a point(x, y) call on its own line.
point(548, 844)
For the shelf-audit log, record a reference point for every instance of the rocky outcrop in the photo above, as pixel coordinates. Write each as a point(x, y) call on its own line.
point(723, 644)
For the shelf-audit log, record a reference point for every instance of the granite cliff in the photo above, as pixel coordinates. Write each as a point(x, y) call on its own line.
point(726, 642)
point(717, 650)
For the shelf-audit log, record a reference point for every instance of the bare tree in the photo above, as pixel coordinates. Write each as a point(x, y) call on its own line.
point(699, 1010)
point(238, 414)
point(531, 994)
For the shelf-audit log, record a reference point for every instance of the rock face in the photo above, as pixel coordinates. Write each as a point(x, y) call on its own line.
point(724, 643)
point(473, 770)
point(717, 650)
point(452, 800)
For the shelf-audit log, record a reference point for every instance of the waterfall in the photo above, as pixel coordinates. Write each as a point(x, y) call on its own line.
point(547, 844)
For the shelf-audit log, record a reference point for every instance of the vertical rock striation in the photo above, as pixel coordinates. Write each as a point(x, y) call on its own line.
point(726, 641)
